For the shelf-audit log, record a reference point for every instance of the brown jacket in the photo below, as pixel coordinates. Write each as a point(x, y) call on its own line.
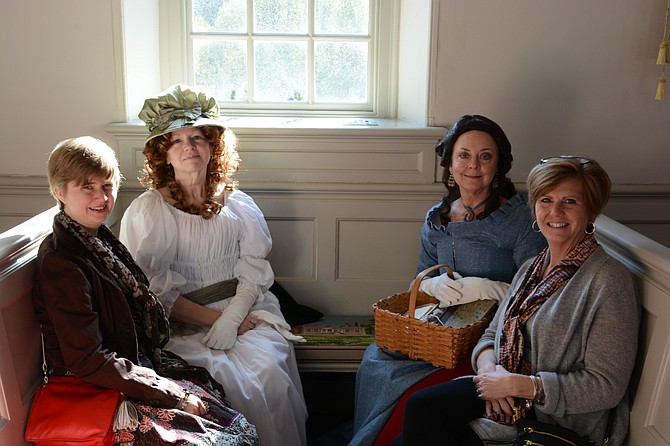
point(87, 324)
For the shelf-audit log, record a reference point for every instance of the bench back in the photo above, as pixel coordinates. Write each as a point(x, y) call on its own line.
point(20, 344)
point(650, 387)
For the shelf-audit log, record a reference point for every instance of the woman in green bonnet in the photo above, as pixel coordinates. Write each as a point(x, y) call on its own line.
point(203, 245)
point(101, 324)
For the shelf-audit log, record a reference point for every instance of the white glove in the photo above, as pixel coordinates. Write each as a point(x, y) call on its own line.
point(219, 305)
point(278, 324)
point(443, 288)
point(223, 333)
point(477, 288)
point(463, 290)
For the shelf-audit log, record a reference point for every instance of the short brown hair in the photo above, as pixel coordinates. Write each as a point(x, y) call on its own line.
point(547, 175)
point(79, 160)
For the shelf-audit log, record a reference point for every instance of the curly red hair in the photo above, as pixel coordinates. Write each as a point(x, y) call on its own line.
point(223, 164)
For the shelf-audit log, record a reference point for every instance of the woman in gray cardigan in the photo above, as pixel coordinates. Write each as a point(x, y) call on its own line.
point(564, 339)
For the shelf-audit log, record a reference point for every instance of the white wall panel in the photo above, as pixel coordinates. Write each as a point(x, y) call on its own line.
point(373, 249)
point(294, 247)
point(365, 244)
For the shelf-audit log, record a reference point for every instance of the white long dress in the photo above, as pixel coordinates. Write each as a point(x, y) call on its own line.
point(179, 253)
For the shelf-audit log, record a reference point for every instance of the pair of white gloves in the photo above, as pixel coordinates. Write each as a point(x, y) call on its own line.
point(223, 334)
point(462, 290)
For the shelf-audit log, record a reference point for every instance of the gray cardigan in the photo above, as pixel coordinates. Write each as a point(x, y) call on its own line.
point(582, 342)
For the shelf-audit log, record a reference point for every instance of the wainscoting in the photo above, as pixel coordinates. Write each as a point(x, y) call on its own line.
point(345, 205)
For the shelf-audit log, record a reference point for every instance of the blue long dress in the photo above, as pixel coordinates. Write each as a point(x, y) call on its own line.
point(494, 248)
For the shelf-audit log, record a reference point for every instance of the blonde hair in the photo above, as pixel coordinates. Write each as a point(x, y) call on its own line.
point(79, 160)
point(545, 176)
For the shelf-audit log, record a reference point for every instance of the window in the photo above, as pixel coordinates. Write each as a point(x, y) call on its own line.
point(323, 57)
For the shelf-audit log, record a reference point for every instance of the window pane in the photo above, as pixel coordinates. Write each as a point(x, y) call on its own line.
point(280, 16)
point(295, 54)
point(341, 17)
point(221, 68)
point(281, 71)
point(341, 70)
point(220, 16)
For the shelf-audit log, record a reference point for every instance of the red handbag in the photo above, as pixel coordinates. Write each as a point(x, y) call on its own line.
point(69, 411)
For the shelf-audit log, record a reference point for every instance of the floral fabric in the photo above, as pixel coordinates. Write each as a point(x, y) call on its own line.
point(221, 425)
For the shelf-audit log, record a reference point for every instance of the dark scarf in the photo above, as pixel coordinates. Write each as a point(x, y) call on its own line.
point(531, 293)
point(151, 323)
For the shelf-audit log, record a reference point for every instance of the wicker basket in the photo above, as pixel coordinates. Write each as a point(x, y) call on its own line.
point(441, 346)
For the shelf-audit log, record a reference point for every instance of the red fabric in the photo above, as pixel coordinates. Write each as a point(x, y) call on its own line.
point(393, 426)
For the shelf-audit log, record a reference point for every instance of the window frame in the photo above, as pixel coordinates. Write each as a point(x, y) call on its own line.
point(176, 49)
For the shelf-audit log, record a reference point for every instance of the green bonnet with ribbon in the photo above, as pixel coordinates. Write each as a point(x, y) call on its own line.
point(179, 107)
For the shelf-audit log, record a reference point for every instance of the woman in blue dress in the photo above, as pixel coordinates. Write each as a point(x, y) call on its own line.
point(481, 229)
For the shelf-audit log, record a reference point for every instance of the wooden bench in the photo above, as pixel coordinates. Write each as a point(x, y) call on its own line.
point(20, 352)
point(650, 263)
point(328, 358)
point(20, 359)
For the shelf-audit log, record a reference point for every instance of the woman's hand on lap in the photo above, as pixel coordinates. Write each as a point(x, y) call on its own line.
point(249, 323)
point(195, 406)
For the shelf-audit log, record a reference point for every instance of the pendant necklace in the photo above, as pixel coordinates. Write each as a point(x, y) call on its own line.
point(470, 215)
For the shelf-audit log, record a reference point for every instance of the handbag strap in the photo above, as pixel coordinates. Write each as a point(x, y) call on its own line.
point(44, 359)
point(608, 429)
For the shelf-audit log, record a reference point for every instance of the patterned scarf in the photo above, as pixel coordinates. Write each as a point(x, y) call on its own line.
point(529, 296)
point(151, 323)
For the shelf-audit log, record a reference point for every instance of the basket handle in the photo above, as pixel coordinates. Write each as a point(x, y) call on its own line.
point(417, 282)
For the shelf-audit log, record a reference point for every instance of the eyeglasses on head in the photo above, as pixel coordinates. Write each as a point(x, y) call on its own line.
point(582, 160)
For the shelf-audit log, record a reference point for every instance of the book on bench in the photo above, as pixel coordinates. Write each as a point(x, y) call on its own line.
point(338, 331)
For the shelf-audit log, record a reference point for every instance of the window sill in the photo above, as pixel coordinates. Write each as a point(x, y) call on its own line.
point(279, 151)
point(297, 125)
